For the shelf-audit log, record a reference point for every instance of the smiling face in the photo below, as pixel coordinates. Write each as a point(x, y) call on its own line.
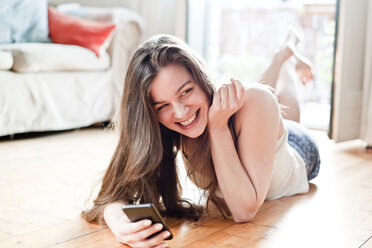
point(179, 102)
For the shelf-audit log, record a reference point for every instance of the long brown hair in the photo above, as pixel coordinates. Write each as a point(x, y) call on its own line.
point(143, 167)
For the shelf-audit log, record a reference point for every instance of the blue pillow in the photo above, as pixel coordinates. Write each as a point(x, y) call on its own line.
point(23, 21)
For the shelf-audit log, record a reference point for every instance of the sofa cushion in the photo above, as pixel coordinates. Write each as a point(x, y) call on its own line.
point(65, 29)
point(6, 60)
point(35, 57)
point(24, 21)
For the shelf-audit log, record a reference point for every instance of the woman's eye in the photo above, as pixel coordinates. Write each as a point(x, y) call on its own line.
point(186, 91)
point(161, 107)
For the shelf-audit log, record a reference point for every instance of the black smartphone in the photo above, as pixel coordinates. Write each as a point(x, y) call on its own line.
point(138, 212)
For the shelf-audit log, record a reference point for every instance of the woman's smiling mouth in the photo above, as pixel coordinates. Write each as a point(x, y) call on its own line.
point(189, 122)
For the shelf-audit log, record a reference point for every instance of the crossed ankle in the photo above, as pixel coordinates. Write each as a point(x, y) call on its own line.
point(283, 54)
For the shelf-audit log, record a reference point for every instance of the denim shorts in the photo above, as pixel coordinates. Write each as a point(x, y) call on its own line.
point(300, 140)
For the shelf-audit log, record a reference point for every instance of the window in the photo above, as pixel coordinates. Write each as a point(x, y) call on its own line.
point(238, 37)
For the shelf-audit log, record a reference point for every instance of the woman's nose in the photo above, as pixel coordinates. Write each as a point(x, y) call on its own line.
point(180, 110)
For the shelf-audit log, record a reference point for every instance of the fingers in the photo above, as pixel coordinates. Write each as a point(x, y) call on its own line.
point(149, 231)
point(134, 227)
point(239, 89)
point(216, 98)
point(158, 238)
point(162, 245)
point(226, 101)
point(230, 95)
point(224, 95)
point(227, 94)
point(156, 241)
point(136, 234)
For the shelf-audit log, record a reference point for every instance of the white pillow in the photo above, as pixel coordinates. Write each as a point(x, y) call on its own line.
point(6, 60)
point(39, 57)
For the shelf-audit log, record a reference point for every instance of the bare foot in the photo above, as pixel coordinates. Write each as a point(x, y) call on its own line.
point(289, 47)
point(303, 65)
point(303, 68)
point(292, 37)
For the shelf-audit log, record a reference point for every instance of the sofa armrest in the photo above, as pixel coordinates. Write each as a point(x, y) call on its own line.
point(126, 39)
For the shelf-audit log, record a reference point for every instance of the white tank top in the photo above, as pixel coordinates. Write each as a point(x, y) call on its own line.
point(289, 176)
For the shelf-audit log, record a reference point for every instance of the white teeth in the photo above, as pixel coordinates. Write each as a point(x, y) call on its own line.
point(189, 121)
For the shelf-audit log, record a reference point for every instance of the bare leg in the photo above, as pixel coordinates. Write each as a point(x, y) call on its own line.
point(278, 75)
point(287, 93)
point(281, 75)
point(271, 75)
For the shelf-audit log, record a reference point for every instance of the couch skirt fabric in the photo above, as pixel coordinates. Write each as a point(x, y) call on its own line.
point(54, 101)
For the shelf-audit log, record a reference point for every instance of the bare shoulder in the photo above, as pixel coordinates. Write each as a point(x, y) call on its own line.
point(259, 93)
point(259, 97)
point(260, 104)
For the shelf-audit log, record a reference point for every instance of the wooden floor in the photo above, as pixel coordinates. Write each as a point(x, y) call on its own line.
point(46, 180)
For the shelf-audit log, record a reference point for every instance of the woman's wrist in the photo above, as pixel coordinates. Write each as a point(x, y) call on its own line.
point(215, 129)
point(113, 212)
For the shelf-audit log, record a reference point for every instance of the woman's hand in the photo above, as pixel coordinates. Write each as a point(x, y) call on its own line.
point(134, 234)
point(226, 101)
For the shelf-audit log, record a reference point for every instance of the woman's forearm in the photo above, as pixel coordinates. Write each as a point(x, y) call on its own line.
point(234, 182)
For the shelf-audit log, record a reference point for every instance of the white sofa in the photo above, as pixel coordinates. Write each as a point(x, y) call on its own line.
point(61, 93)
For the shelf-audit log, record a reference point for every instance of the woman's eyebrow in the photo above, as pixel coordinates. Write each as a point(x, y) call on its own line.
point(183, 85)
point(177, 92)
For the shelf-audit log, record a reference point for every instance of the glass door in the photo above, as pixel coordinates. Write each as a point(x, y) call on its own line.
point(238, 37)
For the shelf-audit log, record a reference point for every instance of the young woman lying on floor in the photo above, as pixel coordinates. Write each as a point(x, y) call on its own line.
point(237, 143)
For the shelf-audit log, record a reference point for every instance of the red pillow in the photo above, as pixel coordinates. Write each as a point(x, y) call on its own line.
point(65, 29)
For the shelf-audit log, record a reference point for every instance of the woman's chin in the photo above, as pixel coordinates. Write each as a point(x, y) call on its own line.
point(193, 134)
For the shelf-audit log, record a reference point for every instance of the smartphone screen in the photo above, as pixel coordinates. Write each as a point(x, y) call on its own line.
point(139, 212)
